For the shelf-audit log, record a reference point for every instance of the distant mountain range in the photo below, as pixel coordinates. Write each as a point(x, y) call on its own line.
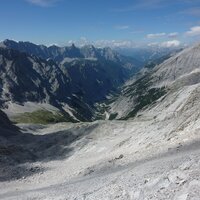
point(69, 53)
point(71, 79)
point(81, 84)
point(148, 53)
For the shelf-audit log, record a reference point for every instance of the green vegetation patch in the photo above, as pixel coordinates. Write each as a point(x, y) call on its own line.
point(40, 117)
point(113, 116)
point(146, 99)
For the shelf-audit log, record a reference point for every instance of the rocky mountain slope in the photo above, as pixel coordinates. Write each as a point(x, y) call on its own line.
point(6, 127)
point(163, 80)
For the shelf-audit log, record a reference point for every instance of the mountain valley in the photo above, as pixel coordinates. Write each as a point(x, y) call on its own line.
point(98, 127)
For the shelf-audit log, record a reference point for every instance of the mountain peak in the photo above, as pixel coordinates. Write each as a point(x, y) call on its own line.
point(73, 45)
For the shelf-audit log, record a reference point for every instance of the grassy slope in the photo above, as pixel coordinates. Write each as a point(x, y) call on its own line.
point(40, 117)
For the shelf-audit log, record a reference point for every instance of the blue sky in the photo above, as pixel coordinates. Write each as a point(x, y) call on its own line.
point(101, 22)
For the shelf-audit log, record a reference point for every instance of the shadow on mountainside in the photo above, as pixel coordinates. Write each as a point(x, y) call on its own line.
point(19, 150)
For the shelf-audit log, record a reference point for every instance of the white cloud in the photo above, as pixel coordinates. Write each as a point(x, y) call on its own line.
point(80, 42)
point(173, 35)
point(155, 35)
point(160, 35)
point(171, 43)
point(194, 31)
point(153, 44)
point(115, 43)
point(124, 27)
point(42, 3)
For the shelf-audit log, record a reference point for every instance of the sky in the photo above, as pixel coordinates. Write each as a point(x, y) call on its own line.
point(115, 23)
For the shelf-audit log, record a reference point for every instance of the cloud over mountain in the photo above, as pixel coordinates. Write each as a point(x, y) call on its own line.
point(194, 31)
point(171, 43)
